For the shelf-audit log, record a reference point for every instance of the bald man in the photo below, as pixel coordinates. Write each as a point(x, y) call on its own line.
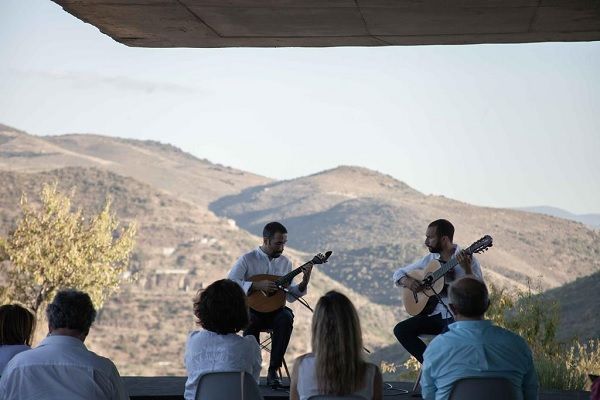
point(474, 347)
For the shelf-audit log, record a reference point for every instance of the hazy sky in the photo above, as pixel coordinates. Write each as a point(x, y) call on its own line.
point(496, 125)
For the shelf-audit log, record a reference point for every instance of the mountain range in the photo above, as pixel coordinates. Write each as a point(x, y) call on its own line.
point(195, 218)
point(591, 220)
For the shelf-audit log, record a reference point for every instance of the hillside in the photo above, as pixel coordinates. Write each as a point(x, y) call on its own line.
point(376, 223)
point(579, 305)
point(180, 248)
point(162, 166)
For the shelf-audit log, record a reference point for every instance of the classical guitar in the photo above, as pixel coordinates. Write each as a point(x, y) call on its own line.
point(415, 302)
point(267, 302)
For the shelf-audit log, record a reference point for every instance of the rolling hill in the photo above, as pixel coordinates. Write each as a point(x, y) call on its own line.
point(376, 223)
point(162, 166)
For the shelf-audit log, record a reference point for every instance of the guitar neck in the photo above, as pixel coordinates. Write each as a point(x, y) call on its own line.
point(453, 262)
point(444, 269)
point(287, 278)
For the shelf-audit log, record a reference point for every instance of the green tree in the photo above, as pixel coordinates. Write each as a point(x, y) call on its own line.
point(53, 248)
point(533, 316)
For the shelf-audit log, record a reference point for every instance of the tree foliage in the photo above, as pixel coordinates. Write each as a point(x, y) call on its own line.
point(54, 248)
point(533, 316)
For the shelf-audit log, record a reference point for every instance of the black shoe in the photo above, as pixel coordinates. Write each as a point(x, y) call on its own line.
point(272, 379)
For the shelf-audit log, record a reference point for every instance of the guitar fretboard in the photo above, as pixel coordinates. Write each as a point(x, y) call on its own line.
point(453, 262)
point(287, 278)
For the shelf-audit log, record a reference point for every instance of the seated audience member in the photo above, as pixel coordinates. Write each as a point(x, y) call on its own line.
point(61, 367)
point(222, 311)
point(16, 331)
point(336, 366)
point(474, 347)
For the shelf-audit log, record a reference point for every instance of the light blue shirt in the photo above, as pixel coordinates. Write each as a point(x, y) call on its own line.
point(477, 349)
point(8, 351)
point(61, 367)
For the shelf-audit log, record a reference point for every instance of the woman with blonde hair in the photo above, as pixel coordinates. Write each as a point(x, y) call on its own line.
point(16, 331)
point(336, 366)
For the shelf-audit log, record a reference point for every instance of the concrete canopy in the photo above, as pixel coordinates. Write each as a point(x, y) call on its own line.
point(321, 23)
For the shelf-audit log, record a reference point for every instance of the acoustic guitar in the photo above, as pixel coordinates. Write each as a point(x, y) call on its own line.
point(266, 302)
point(415, 302)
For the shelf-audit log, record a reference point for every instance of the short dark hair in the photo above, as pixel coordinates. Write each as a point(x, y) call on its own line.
point(443, 227)
point(71, 309)
point(16, 325)
point(469, 296)
point(222, 307)
point(272, 228)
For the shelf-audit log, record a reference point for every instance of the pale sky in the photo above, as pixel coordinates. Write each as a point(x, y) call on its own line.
point(493, 125)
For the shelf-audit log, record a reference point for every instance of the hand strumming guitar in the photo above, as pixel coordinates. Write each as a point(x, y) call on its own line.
point(411, 283)
point(264, 286)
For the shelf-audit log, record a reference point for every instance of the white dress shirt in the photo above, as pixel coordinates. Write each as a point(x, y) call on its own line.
point(422, 264)
point(208, 351)
point(257, 262)
point(61, 367)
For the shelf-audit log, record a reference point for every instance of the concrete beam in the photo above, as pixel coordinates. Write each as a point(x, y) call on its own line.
point(322, 23)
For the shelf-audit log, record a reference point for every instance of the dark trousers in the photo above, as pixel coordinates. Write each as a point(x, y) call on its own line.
point(281, 322)
point(407, 332)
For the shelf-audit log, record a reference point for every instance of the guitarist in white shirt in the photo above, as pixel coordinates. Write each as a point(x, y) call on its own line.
point(435, 318)
point(268, 259)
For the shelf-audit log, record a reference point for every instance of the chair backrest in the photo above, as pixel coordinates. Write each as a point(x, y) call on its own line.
point(331, 397)
point(227, 386)
point(488, 388)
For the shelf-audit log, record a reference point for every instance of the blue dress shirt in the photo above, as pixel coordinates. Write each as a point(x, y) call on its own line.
point(477, 349)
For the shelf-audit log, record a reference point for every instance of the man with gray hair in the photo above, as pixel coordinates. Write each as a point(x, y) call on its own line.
point(61, 367)
point(474, 347)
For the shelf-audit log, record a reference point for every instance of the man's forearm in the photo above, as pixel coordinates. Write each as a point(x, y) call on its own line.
point(303, 285)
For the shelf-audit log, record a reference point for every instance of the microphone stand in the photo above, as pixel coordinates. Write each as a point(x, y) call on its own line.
point(429, 286)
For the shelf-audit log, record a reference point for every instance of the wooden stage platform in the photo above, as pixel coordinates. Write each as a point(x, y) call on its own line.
point(171, 388)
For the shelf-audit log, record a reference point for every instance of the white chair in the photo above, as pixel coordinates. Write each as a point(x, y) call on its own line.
point(228, 386)
point(491, 388)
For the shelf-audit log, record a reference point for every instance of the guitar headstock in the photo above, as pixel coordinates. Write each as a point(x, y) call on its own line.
point(321, 258)
point(481, 245)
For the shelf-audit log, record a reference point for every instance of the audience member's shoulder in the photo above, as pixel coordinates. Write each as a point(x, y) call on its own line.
point(440, 340)
point(249, 341)
point(509, 336)
point(303, 357)
point(100, 362)
point(201, 337)
point(18, 358)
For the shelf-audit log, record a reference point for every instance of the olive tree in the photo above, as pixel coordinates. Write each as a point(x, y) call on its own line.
point(54, 247)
